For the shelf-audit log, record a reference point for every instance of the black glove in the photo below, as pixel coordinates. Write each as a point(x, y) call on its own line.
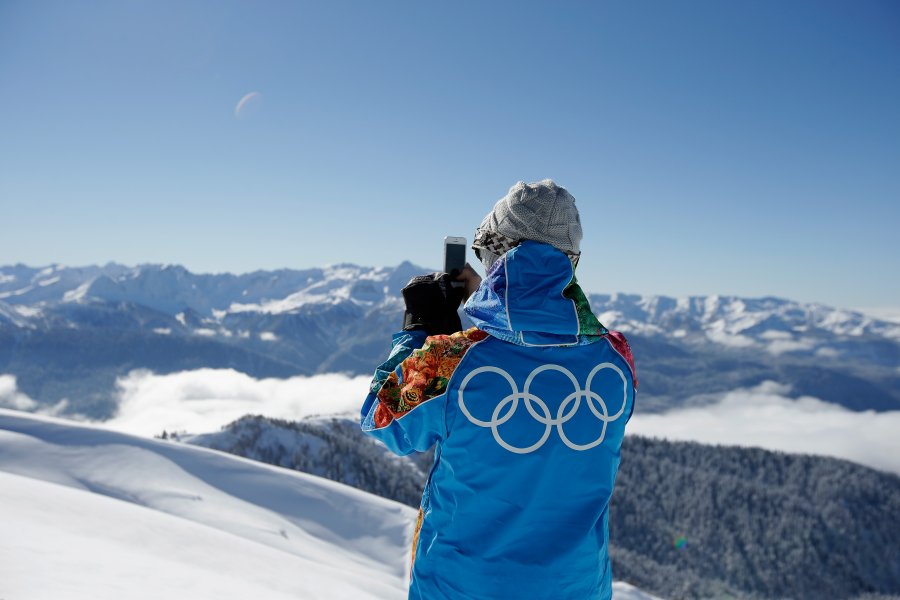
point(431, 304)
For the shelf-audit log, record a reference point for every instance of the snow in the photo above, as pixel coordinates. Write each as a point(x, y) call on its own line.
point(723, 317)
point(340, 283)
point(772, 334)
point(719, 336)
point(116, 516)
point(882, 313)
point(15, 293)
point(274, 307)
point(243, 298)
point(827, 353)
point(51, 281)
point(28, 311)
point(268, 336)
point(78, 293)
point(625, 591)
point(778, 347)
point(92, 514)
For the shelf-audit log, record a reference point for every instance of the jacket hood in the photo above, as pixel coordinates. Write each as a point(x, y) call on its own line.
point(531, 297)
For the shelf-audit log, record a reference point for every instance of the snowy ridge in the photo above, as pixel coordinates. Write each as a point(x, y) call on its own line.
point(21, 284)
point(738, 322)
point(171, 289)
point(113, 516)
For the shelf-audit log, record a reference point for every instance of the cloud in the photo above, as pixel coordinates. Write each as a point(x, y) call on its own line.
point(763, 416)
point(11, 397)
point(205, 399)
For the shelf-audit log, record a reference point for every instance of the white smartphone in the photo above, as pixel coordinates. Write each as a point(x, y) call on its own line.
point(454, 255)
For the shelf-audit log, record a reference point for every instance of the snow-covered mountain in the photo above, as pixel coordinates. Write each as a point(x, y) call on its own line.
point(69, 333)
point(93, 514)
point(171, 289)
point(772, 324)
point(174, 291)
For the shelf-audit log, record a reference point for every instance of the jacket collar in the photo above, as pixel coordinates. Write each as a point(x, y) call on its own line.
point(531, 297)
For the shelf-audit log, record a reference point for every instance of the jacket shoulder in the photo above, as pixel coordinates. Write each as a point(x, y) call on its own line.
point(425, 373)
point(620, 344)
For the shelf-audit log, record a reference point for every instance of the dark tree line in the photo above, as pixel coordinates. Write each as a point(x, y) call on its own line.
point(752, 523)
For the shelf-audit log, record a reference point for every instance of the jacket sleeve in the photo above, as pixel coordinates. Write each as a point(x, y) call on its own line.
point(406, 405)
point(376, 417)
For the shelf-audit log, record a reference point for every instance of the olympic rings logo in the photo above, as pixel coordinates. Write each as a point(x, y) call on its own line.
point(565, 413)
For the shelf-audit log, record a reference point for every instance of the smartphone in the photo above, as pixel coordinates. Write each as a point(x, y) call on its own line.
point(454, 255)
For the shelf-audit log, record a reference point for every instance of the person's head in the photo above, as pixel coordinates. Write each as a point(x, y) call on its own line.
point(541, 211)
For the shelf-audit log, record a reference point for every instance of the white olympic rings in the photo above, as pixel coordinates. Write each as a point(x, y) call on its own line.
point(566, 411)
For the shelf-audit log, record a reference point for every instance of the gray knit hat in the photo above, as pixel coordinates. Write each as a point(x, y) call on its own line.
point(542, 211)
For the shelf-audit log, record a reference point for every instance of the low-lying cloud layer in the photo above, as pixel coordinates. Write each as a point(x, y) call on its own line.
point(204, 400)
point(764, 416)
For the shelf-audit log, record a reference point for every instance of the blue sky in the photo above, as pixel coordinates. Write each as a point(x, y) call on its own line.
point(748, 148)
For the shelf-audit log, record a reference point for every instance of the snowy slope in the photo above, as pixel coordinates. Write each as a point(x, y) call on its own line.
point(93, 514)
point(115, 516)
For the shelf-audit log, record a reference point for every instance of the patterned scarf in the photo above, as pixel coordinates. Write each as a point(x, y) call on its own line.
point(490, 245)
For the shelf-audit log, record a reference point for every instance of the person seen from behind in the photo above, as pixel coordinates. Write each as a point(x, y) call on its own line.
point(526, 411)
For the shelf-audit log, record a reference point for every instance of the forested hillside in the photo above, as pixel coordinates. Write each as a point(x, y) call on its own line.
point(702, 521)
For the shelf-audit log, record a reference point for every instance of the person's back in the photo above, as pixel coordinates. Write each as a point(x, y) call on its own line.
point(527, 411)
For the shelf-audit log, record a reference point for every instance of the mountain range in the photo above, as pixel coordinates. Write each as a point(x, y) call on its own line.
point(69, 333)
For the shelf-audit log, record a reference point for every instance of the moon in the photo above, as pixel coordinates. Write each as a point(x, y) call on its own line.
point(247, 104)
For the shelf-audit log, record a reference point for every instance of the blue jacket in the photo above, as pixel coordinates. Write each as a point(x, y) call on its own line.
point(527, 411)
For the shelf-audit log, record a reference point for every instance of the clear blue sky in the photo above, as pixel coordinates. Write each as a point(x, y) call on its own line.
point(748, 148)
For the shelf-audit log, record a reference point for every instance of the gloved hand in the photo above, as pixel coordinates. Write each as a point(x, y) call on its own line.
point(431, 304)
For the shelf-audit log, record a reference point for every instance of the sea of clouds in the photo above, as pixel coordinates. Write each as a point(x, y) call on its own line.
point(203, 400)
point(764, 416)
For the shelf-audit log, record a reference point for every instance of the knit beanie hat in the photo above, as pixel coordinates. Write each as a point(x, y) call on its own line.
point(542, 211)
